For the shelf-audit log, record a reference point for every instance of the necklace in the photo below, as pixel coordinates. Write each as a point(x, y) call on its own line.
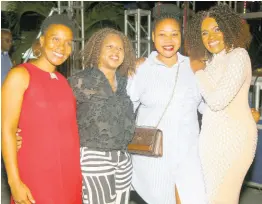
point(53, 76)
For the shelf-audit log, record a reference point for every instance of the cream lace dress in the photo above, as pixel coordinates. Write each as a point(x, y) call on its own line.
point(228, 136)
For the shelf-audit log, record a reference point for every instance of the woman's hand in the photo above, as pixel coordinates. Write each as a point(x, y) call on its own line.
point(256, 114)
point(21, 193)
point(18, 139)
point(197, 64)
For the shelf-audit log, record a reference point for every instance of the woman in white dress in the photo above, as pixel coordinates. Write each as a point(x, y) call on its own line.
point(152, 86)
point(228, 135)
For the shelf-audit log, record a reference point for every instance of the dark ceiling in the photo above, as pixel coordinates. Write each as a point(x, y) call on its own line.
point(200, 5)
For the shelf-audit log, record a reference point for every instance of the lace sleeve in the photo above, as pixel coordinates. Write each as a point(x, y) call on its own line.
point(79, 83)
point(218, 96)
point(75, 83)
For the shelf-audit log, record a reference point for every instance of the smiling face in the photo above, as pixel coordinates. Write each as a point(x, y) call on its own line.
point(167, 38)
point(212, 37)
point(6, 41)
point(56, 44)
point(112, 52)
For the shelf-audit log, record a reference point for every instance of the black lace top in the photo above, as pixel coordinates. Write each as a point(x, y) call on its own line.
point(105, 118)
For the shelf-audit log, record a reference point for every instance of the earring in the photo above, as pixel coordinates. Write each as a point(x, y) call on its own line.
point(206, 56)
point(37, 51)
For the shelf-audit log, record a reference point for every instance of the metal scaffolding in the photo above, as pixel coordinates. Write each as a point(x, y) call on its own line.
point(29, 52)
point(240, 7)
point(139, 30)
point(232, 4)
point(139, 34)
point(75, 11)
point(191, 6)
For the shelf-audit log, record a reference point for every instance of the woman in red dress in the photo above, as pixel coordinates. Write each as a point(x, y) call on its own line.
point(39, 100)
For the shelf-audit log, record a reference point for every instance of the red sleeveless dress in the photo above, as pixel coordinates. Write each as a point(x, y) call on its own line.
point(49, 160)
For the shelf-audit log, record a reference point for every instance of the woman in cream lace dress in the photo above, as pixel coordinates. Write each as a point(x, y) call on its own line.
point(228, 136)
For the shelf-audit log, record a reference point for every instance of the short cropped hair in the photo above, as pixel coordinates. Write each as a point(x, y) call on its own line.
point(58, 19)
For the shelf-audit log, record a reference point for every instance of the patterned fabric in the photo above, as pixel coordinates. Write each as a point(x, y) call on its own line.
point(228, 135)
point(105, 119)
point(106, 176)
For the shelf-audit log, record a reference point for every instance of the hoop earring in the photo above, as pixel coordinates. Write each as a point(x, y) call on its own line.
point(39, 53)
point(206, 56)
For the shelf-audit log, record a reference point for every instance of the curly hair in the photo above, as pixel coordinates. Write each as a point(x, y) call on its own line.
point(91, 52)
point(58, 19)
point(234, 28)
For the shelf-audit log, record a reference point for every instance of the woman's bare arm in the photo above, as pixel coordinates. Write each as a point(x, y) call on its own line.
point(13, 90)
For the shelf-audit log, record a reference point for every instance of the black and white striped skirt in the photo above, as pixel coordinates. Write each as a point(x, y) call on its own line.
point(106, 176)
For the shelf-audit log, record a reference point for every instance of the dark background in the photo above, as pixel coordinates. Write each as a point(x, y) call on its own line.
point(33, 22)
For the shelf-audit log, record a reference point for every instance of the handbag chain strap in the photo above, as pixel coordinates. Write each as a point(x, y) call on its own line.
point(173, 93)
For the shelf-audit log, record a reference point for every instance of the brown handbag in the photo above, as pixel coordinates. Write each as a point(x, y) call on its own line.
point(148, 141)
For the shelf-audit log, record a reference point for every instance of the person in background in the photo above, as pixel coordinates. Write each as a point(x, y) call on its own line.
point(217, 40)
point(39, 100)
point(6, 44)
point(6, 65)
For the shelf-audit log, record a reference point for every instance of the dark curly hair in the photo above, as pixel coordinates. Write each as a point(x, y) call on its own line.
point(58, 19)
point(91, 52)
point(235, 30)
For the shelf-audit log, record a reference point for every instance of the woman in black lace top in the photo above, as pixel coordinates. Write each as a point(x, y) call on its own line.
point(105, 117)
